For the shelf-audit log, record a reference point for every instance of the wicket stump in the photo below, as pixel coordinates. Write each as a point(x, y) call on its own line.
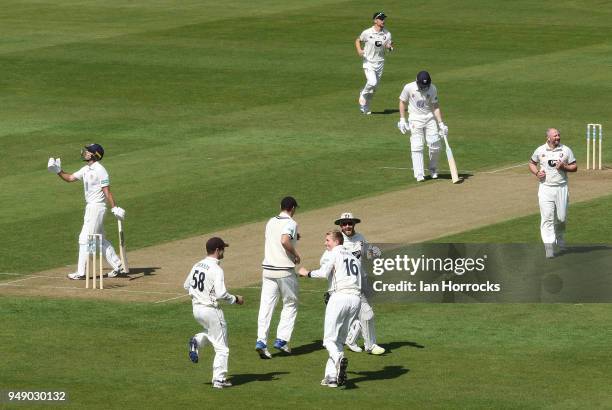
point(593, 131)
point(94, 248)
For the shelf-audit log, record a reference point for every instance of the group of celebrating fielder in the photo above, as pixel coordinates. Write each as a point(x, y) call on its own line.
point(347, 314)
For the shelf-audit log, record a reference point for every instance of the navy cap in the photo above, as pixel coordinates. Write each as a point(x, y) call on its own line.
point(379, 15)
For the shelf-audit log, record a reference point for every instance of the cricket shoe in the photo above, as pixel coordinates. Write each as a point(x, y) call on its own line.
point(193, 350)
point(282, 345)
point(550, 250)
point(329, 382)
point(221, 384)
point(354, 347)
point(117, 272)
point(434, 173)
point(262, 349)
point(76, 276)
point(365, 109)
point(376, 350)
point(341, 366)
point(420, 178)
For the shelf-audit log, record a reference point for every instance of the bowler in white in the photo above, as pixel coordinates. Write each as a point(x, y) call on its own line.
point(550, 164)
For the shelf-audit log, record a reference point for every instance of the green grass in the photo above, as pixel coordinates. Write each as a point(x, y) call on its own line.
point(587, 222)
point(202, 113)
point(111, 355)
point(210, 114)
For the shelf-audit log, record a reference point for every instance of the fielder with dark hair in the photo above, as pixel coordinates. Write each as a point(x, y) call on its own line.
point(279, 279)
point(206, 286)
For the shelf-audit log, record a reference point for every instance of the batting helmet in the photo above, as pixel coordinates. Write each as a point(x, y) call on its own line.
point(96, 150)
point(423, 80)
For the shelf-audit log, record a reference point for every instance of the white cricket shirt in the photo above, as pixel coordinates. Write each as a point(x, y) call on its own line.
point(374, 44)
point(94, 178)
point(342, 270)
point(206, 283)
point(420, 104)
point(277, 263)
point(546, 157)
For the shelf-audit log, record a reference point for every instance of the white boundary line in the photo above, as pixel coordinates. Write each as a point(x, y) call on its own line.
point(465, 171)
point(18, 280)
point(167, 300)
point(106, 289)
point(507, 168)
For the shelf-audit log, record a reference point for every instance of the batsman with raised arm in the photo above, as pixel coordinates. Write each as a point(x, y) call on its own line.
point(96, 183)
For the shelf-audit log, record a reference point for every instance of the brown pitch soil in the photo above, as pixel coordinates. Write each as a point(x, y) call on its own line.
point(429, 210)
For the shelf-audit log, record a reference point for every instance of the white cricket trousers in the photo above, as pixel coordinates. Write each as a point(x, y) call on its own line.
point(421, 132)
point(373, 73)
point(93, 223)
point(342, 310)
point(553, 211)
point(215, 333)
point(271, 288)
point(364, 324)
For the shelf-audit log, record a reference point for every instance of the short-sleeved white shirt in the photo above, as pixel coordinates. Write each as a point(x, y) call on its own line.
point(374, 44)
point(546, 158)
point(420, 103)
point(342, 270)
point(206, 283)
point(94, 178)
point(277, 262)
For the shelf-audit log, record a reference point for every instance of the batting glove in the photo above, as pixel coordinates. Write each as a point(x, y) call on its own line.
point(118, 212)
point(374, 252)
point(443, 129)
point(402, 125)
point(54, 165)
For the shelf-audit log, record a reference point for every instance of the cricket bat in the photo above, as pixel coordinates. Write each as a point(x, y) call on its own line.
point(451, 162)
point(122, 250)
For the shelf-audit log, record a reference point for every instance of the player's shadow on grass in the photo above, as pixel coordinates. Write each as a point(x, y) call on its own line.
point(386, 373)
point(462, 177)
point(385, 112)
point(239, 379)
point(137, 273)
point(390, 347)
point(305, 349)
point(583, 249)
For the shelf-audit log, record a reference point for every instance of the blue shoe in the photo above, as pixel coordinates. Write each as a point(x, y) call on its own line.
point(193, 350)
point(282, 345)
point(262, 349)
